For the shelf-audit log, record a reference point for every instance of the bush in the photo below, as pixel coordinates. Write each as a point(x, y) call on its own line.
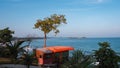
point(106, 57)
point(78, 60)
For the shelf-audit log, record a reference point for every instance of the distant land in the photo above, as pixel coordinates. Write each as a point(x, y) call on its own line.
point(26, 38)
point(76, 37)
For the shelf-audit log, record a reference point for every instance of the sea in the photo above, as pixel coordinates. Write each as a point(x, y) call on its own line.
point(84, 44)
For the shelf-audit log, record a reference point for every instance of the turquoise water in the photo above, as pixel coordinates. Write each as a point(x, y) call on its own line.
point(85, 44)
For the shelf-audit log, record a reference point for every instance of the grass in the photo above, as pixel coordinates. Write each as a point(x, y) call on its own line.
point(8, 61)
point(5, 60)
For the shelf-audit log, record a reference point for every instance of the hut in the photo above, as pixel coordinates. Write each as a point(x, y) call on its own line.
point(50, 56)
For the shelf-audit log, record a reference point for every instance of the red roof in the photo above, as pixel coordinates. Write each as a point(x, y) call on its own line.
point(60, 48)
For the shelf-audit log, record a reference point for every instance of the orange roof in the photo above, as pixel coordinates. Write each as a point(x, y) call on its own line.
point(59, 48)
point(44, 50)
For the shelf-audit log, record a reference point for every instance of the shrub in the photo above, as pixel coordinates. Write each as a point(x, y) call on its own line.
point(106, 57)
point(78, 60)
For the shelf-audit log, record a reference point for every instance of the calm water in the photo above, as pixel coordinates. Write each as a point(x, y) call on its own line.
point(85, 44)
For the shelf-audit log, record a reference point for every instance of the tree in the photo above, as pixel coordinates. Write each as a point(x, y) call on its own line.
point(6, 35)
point(50, 24)
point(5, 38)
point(28, 59)
point(15, 48)
point(78, 60)
point(106, 57)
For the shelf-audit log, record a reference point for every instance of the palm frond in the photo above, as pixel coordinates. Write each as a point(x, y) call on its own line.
point(78, 60)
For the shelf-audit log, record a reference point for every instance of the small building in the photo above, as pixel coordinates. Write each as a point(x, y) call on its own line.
point(52, 55)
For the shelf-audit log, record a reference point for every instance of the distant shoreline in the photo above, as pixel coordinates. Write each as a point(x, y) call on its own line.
point(32, 38)
point(26, 38)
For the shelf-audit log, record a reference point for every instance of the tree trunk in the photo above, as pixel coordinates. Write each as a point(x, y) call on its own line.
point(28, 66)
point(45, 38)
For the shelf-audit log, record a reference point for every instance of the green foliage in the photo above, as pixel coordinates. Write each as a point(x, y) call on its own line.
point(28, 59)
point(15, 48)
point(5, 35)
point(106, 57)
point(4, 52)
point(78, 60)
point(50, 24)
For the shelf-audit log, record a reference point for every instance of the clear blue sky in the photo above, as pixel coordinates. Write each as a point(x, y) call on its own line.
point(89, 18)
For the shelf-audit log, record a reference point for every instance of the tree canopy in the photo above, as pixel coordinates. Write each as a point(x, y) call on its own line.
point(6, 35)
point(50, 23)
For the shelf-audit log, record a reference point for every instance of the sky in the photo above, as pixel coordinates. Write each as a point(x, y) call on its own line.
point(85, 18)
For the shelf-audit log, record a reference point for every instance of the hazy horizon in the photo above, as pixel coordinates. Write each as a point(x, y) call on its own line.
point(85, 18)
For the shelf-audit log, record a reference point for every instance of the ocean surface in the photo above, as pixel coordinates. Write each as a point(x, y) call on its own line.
point(85, 44)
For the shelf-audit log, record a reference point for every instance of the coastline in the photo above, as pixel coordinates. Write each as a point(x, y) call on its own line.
point(26, 38)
